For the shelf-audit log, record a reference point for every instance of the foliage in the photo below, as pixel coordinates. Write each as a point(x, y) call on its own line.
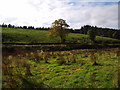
point(59, 28)
point(104, 32)
point(116, 34)
point(92, 34)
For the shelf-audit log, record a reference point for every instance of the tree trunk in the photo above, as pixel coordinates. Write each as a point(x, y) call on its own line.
point(62, 39)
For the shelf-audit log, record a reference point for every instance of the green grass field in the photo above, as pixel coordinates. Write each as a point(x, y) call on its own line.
point(32, 67)
point(62, 69)
point(12, 35)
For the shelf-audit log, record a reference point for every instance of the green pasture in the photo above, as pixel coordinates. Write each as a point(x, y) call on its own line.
point(65, 69)
point(12, 35)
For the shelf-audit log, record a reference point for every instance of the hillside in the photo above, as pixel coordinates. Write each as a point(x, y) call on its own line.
point(15, 35)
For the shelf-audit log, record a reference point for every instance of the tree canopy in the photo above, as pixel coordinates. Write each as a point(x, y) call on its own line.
point(59, 28)
point(92, 34)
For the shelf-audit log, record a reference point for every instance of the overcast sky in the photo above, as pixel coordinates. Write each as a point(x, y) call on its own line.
point(39, 13)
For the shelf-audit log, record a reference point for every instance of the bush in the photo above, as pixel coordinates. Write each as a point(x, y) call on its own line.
point(115, 35)
point(61, 60)
point(92, 34)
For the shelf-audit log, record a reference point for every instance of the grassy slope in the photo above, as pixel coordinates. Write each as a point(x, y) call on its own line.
point(37, 36)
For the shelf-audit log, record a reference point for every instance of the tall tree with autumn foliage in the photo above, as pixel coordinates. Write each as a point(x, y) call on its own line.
point(59, 28)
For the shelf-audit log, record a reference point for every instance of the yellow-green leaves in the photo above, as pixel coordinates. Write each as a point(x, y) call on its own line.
point(59, 28)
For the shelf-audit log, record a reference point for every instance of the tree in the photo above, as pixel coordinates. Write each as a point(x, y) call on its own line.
point(92, 34)
point(59, 28)
point(9, 25)
point(116, 34)
point(24, 27)
point(4, 25)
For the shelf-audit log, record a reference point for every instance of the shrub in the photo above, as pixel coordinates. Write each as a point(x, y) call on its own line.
point(61, 60)
point(115, 34)
point(92, 34)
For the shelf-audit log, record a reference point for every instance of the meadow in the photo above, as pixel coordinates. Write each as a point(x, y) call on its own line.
point(82, 68)
point(57, 65)
point(16, 35)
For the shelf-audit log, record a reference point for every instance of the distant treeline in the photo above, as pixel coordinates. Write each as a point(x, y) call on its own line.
point(24, 27)
point(104, 32)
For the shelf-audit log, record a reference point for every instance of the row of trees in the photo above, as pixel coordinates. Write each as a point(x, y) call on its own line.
point(104, 32)
point(29, 27)
point(24, 27)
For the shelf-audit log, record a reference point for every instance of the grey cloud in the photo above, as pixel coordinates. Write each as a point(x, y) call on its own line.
point(101, 15)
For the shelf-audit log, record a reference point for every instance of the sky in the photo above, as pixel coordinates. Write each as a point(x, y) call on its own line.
point(77, 13)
